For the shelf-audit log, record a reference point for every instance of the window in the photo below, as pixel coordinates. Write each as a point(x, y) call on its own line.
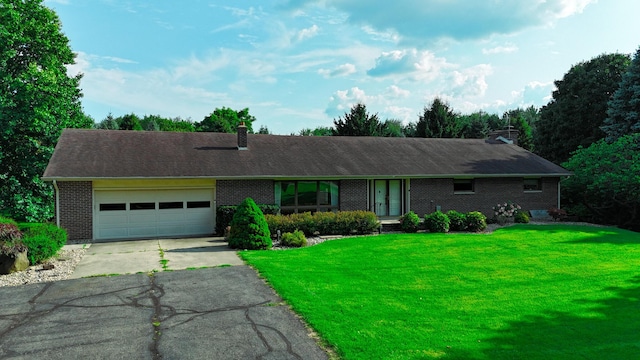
point(533, 184)
point(198, 204)
point(113, 207)
point(301, 196)
point(463, 186)
point(142, 206)
point(170, 205)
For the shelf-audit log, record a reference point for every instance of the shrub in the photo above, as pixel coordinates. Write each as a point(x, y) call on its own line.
point(410, 222)
point(43, 241)
point(437, 222)
point(521, 217)
point(458, 220)
point(9, 232)
point(294, 239)
point(10, 239)
point(249, 229)
point(6, 220)
point(325, 223)
point(476, 221)
point(224, 214)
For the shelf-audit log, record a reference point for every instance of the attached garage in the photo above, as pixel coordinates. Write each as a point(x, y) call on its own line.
point(148, 213)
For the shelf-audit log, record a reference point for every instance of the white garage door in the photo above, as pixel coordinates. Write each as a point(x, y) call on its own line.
point(153, 213)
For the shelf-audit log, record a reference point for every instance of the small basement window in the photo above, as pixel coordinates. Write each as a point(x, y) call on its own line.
point(170, 205)
point(533, 184)
point(113, 207)
point(142, 206)
point(198, 204)
point(463, 186)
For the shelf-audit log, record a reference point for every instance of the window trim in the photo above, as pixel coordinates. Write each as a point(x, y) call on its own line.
point(538, 185)
point(472, 182)
point(317, 207)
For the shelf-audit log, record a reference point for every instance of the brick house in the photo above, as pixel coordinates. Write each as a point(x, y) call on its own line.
point(137, 184)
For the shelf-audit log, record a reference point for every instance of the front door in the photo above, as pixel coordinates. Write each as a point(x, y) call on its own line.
point(388, 197)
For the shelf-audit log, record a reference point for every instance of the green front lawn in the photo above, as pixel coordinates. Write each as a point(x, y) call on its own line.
point(523, 292)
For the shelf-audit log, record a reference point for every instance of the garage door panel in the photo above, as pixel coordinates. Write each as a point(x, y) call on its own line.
point(159, 213)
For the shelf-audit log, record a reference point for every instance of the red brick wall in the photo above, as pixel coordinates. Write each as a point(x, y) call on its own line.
point(426, 194)
point(353, 195)
point(76, 209)
point(233, 192)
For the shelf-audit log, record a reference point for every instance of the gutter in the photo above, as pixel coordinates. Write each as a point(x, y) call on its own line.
point(55, 186)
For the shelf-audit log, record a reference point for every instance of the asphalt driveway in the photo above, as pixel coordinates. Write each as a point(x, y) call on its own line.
point(211, 313)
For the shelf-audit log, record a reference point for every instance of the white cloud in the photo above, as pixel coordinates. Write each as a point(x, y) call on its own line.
point(534, 93)
point(506, 49)
point(307, 33)
point(470, 81)
point(417, 65)
point(341, 70)
point(396, 92)
point(420, 21)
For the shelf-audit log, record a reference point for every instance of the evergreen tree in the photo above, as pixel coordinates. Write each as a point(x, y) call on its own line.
point(624, 109)
point(438, 121)
point(249, 228)
point(358, 122)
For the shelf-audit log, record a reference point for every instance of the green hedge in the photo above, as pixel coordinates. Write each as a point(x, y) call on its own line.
point(43, 242)
point(325, 223)
point(458, 220)
point(410, 222)
point(476, 221)
point(294, 239)
point(437, 222)
point(224, 214)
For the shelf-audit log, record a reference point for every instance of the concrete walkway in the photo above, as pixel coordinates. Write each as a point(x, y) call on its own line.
point(143, 256)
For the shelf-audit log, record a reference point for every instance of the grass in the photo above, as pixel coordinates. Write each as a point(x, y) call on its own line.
point(523, 292)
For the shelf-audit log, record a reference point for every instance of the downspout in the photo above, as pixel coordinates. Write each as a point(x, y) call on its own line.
point(55, 186)
point(559, 180)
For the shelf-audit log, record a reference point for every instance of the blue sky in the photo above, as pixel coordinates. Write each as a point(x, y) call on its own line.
point(301, 63)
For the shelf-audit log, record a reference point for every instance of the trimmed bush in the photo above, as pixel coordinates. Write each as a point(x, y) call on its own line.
point(410, 222)
point(437, 222)
point(249, 229)
point(458, 220)
point(325, 223)
point(476, 221)
point(43, 242)
point(6, 220)
point(224, 214)
point(521, 217)
point(294, 239)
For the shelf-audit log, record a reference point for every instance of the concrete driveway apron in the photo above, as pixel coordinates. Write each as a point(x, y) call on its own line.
point(213, 313)
point(142, 256)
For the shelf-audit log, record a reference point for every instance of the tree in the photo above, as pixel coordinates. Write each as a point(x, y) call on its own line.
point(319, 131)
point(475, 125)
point(129, 122)
point(605, 186)
point(624, 109)
point(226, 120)
point(579, 106)
point(109, 123)
point(166, 124)
point(392, 128)
point(358, 122)
point(249, 229)
point(522, 121)
point(37, 100)
point(437, 121)
point(264, 130)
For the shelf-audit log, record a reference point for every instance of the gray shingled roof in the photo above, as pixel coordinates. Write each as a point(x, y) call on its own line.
point(96, 154)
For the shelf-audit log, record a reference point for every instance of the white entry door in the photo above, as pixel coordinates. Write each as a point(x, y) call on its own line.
point(153, 213)
point(388, 197)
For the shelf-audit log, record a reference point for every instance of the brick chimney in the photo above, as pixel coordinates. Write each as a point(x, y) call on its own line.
point(242, 136)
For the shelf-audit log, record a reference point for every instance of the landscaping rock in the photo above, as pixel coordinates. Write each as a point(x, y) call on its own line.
point(13, 263)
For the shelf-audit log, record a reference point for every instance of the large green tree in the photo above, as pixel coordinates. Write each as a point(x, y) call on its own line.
point(357, 122)
point(605, 186)
point(624, 109)
point(438, 121)
point(319, 131)
point(226, 120)
point(37, 100)
point(579, 106)
point(523, 120)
